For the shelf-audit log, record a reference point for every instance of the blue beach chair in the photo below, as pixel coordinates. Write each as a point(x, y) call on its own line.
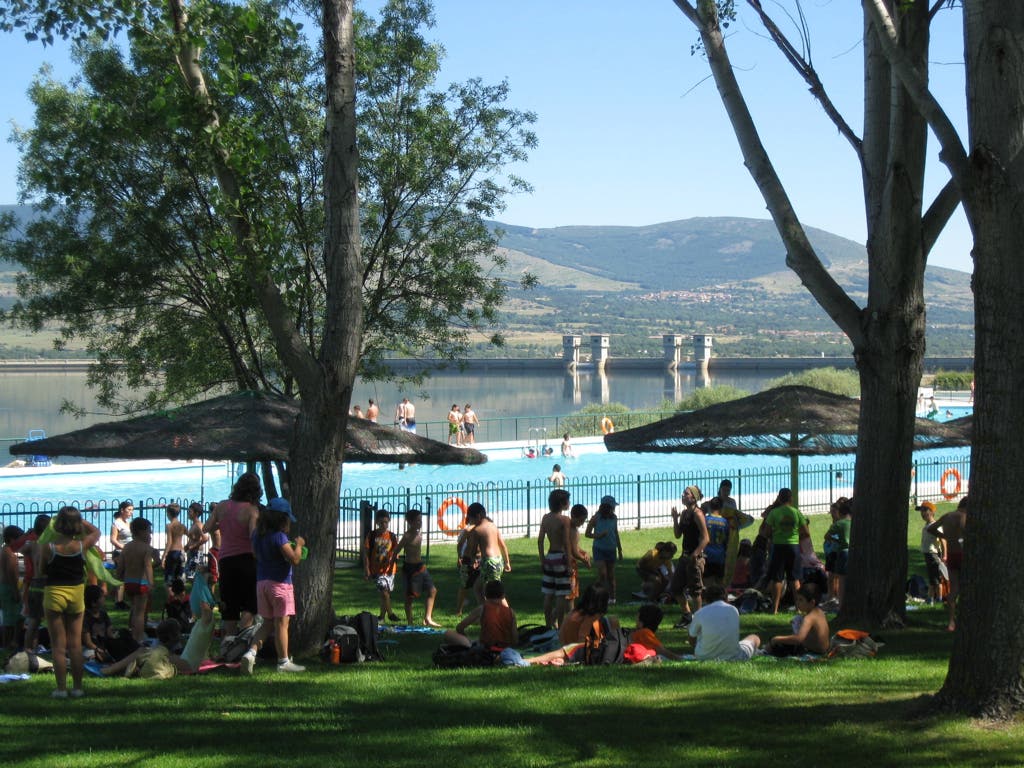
point(37, 461)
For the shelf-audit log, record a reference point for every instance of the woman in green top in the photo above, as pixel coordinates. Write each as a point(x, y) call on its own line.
point(783, 526)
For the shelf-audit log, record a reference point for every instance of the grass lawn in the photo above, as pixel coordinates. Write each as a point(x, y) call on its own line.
point(403, 713)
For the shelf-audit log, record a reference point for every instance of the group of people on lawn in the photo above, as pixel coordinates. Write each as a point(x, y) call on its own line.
point(255, 558)
point(483, 559)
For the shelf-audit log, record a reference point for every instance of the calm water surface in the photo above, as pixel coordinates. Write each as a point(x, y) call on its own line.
point(33, 400)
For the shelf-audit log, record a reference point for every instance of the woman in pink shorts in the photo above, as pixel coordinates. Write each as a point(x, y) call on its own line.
point(275, 597)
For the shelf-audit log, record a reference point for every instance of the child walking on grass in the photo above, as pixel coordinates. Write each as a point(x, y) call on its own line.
point(603, 528)
point(417, 577)
point(275, 596)
point(378, 564)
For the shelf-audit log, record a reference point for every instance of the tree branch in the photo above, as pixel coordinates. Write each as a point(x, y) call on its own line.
point(800, 255)
point(953, 154)
point(286, 335)
point(938, 213)
point(806, 70)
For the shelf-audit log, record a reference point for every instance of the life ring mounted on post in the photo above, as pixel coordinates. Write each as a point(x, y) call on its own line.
point(955, 474)
point(442, 526)
point(607, 426)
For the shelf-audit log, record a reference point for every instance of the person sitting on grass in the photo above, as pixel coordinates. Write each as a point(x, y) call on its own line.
point(158, 662)
point(716, 630)
point(648, 619)
point(810, 628)
point(593, 607)
point(496, 618)
point(97, 627)
point(655, 571)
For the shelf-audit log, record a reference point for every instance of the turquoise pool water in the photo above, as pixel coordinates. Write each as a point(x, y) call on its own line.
point(154, 486)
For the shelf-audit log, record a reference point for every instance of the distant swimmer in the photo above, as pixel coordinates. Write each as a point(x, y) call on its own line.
point(567, 450)
point(557, 477)
point(372, 411)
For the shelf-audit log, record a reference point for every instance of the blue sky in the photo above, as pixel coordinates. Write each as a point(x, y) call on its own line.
point(631, 130)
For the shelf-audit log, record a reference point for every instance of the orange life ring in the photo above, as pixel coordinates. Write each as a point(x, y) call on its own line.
point(951, 472)
point(607, 426)
point(444, 508)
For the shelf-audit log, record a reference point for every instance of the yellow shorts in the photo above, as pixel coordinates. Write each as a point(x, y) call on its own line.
point(65, 599)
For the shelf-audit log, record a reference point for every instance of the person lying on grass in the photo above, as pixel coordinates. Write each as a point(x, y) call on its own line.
point(496, 618)
point(154, 663)
point(648, 619)
point(810, 628)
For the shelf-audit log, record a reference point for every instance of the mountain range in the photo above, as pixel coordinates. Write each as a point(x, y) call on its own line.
point(721, 275)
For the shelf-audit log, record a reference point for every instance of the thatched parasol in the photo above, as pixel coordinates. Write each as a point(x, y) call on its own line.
point(789, 421)
point(242, 426)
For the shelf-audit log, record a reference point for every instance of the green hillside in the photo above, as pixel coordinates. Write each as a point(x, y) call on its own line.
point(725, 276)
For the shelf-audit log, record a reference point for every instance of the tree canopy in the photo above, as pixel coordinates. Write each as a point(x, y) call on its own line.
point(134, 251)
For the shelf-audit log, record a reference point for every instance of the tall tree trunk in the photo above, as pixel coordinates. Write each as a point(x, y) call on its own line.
point(985, 671)
point(319, 438)
point(890, 362)
point(888, 334)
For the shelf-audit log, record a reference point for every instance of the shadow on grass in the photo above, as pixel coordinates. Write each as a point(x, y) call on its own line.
point(403, 713)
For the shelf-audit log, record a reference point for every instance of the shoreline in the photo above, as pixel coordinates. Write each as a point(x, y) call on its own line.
point(554, 364)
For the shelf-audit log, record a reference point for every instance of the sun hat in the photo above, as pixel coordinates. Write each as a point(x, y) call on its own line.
point(926, 505)
point(280, 504)
point(609, 501)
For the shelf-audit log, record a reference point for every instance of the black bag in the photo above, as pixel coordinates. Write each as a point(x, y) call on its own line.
point(180, 612)
point(365, 625)
point(752, 601)
point(346, 638)
point(605, 644)
point(917, 586)
point(527, 633)
point(235, 649)
point(458, 656)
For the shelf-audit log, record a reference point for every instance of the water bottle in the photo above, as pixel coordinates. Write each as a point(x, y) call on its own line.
point(335, 653)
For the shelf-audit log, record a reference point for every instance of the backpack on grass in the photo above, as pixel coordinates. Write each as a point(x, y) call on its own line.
point(459, 656)
point(366, 629)
point(234, 648)
point(346, 639)
point(605, 644)
point(535, 637)
point(853, 644)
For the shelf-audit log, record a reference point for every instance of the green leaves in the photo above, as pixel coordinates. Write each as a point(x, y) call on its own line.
point(136, 252)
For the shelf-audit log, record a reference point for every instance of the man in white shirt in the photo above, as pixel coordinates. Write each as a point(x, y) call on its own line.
point(716, 629)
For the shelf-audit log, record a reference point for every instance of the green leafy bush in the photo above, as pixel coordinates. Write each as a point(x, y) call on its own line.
point(838, 381)
point(701, 398)
point(953, 379)
point(587, 420)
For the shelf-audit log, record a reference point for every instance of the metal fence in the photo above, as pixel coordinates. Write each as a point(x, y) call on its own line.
point(645, 501)
point(551, 428)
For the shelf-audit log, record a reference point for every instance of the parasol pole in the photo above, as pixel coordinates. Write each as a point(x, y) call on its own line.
point(794, 470)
